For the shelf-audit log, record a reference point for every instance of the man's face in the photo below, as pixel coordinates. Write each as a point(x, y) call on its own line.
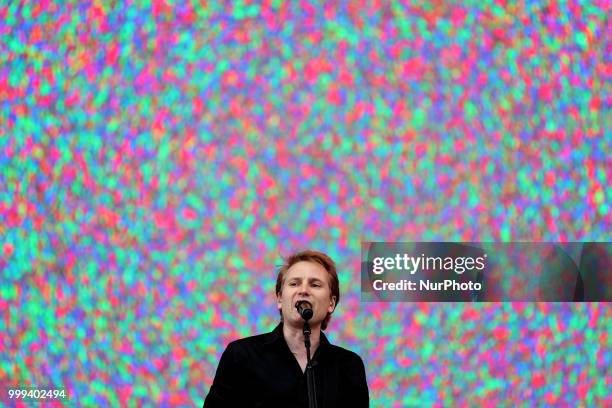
point(306, 281)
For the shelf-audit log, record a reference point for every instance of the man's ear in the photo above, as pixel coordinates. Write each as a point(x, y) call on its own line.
point(279, 303)
point(332, 304)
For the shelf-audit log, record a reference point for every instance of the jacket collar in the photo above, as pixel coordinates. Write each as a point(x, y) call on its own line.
point(276, 336)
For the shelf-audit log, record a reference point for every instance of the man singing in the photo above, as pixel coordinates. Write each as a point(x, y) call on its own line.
point(269, 370)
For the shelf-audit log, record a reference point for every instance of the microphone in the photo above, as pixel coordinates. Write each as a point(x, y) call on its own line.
point(304, 308)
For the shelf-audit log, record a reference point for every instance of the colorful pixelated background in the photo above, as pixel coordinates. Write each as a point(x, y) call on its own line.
point(158, 158)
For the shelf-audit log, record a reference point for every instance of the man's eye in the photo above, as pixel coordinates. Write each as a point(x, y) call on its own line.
point(316, 285)
point(292, 283)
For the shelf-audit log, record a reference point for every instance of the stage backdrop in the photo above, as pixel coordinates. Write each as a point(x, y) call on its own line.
point(158, 158)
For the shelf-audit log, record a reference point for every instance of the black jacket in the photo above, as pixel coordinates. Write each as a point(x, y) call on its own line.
point(261, 371)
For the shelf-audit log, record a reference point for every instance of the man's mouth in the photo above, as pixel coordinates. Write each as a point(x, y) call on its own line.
point(298, 301)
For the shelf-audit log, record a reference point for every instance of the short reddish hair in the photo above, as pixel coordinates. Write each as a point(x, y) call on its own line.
point(322, 259)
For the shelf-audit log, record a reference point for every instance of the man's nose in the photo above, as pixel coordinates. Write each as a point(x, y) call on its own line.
point(304, 288)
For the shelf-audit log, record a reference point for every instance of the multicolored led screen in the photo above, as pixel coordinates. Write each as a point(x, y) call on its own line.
point(158, 159)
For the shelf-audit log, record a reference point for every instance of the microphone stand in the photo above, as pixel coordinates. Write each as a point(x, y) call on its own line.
point(310, 379)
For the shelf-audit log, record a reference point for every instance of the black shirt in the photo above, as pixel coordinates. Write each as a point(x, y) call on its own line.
point(261, 371)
